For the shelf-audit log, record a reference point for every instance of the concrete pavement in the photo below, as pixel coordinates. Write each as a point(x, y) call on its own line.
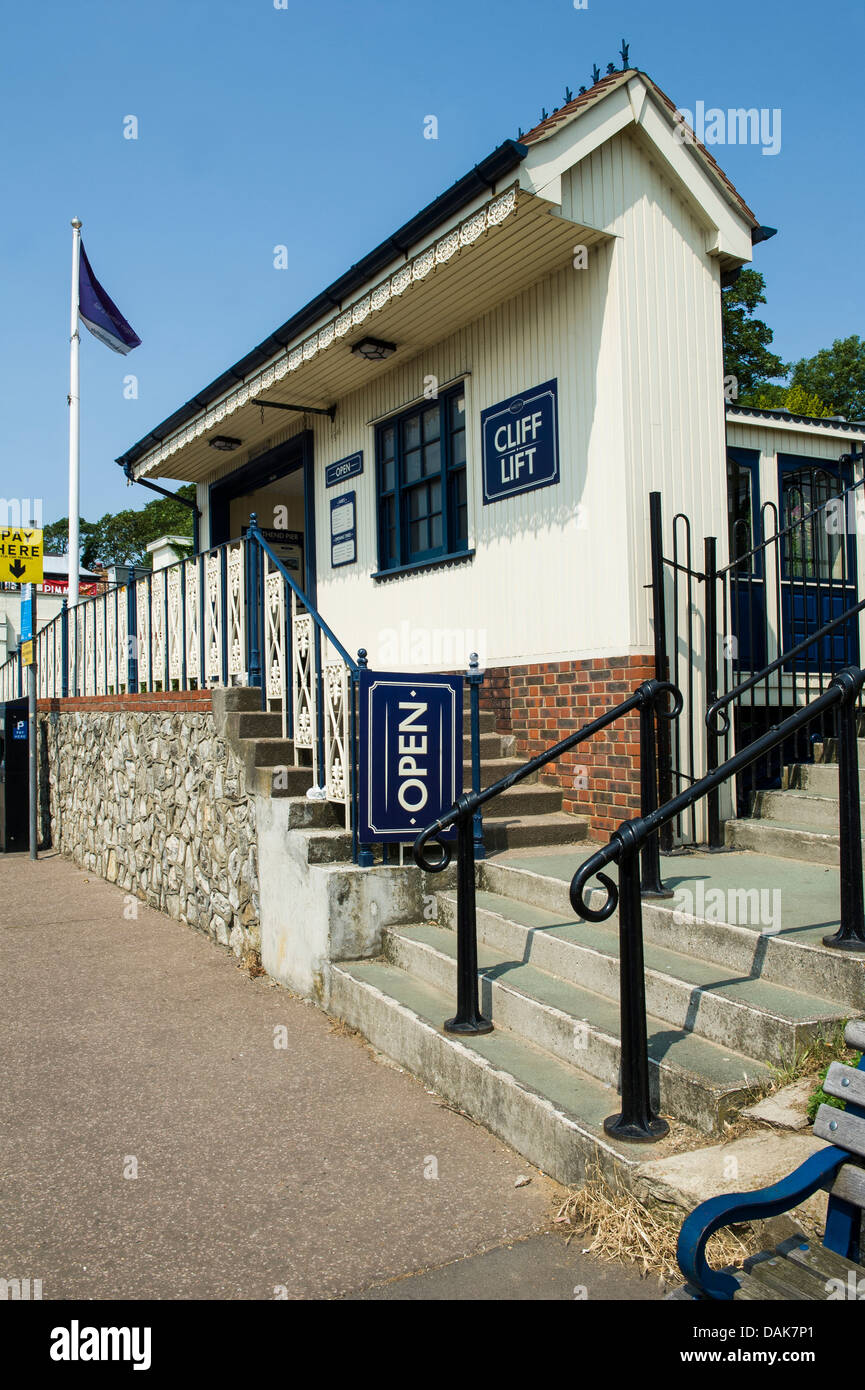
point(173, 1129)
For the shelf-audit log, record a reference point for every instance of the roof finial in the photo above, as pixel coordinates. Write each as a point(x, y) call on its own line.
point(544, 116)
point(596, 74)
point(569, 96)
point(624, 51)
point(611, 68)
point(582, 91)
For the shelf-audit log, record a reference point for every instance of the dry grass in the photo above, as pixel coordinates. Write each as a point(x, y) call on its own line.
point(250, 962)
point(812, 1056)
point(623, 1229)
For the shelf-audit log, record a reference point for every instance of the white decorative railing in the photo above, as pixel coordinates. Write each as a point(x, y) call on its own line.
point(304, 668)
point(235, 615)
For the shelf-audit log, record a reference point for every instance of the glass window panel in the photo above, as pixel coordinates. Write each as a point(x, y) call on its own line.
point(431, 424)
point(458, 449)
point(739, 510)
point(387, 475)
point(432, 458)
point(458, 411)
point(435, 531)
point(811, 551)
point(411, 432)
point(412, 466)
point(388, 440)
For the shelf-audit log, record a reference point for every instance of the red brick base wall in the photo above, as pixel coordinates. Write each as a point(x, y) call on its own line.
point(543, 703)
point(148, 701)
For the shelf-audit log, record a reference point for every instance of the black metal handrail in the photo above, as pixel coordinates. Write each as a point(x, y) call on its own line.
point(799, 523)
point(784, 575)
point(637, 1119)
point(719, 705)
point(718, 708)
point(646, 699)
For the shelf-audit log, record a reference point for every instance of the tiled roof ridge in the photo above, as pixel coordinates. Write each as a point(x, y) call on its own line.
point(602, 88)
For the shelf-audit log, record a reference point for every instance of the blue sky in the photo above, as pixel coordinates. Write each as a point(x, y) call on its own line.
point(303, 126)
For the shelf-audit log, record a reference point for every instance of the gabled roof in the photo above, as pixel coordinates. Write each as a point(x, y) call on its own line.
point(603, 88)
point(485, 178)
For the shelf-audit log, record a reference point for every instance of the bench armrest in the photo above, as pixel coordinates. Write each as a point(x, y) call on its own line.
point(728, 1210)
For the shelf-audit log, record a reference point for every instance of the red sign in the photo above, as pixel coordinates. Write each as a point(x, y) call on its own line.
point(61, 586)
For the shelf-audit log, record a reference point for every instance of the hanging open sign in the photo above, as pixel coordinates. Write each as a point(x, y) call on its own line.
point(411, 753)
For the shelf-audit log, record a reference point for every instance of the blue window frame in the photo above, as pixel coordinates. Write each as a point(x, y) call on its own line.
point(421, 481)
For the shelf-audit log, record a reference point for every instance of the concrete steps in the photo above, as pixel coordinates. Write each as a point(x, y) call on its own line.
point(731, 937)
point(692, 1079)
point(550, 1112)
point(754, 1016)
point(818, 779)
point(804, 809)
point(801, 820)
point(783, 841)
point(725, 999)
point(494, 769)
point(526, 831)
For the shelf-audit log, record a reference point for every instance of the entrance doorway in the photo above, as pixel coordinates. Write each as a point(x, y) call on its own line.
point(278, 486)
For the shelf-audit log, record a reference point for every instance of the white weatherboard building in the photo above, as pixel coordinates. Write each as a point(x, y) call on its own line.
point(503, 431)
point(586, 259)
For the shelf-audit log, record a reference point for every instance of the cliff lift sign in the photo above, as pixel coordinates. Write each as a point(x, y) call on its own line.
point(20, 555)
point(411, 753)
point(521, 443)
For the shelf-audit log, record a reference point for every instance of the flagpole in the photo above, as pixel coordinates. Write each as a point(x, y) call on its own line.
point(74, 424)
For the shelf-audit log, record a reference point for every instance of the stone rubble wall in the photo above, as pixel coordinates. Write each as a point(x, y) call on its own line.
point(156, 802)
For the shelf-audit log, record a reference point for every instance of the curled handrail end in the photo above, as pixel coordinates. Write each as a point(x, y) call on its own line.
point(713, 714)
point(578, 903)
point(418, 849)
point(668, 688)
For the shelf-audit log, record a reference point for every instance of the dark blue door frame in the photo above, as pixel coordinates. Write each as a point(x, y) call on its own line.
point(818, 572)
point(747, 581)
point(277, 463)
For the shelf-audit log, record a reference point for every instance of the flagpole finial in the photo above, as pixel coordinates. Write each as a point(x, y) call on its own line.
point(76, 223)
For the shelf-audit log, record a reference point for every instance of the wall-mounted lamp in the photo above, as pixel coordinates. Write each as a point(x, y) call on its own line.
point(374, 349)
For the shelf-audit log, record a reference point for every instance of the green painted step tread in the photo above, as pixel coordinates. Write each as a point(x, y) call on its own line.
point(579, 1096)
point(754, 992)
point(687, 1052)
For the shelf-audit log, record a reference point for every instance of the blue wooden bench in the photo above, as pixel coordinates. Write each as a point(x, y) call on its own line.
point(796, 1269)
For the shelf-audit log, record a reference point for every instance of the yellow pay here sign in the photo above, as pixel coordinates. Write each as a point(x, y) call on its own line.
point(20, 555)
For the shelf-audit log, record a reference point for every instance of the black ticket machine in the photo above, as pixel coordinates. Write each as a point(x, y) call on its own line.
point(14, 781)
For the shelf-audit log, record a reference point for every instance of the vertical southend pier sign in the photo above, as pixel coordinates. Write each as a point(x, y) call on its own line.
point(411, 753)
point(521, 443)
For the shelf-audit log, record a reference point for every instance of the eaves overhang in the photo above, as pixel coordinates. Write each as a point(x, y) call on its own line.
point(484, 178)
point(504, 246)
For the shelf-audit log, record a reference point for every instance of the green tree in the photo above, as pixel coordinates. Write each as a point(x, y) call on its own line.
point(747, 339)
point(837, 375)
point(796, 399)
point(121, 538)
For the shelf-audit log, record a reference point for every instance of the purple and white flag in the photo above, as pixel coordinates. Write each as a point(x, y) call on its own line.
point(101, 314)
